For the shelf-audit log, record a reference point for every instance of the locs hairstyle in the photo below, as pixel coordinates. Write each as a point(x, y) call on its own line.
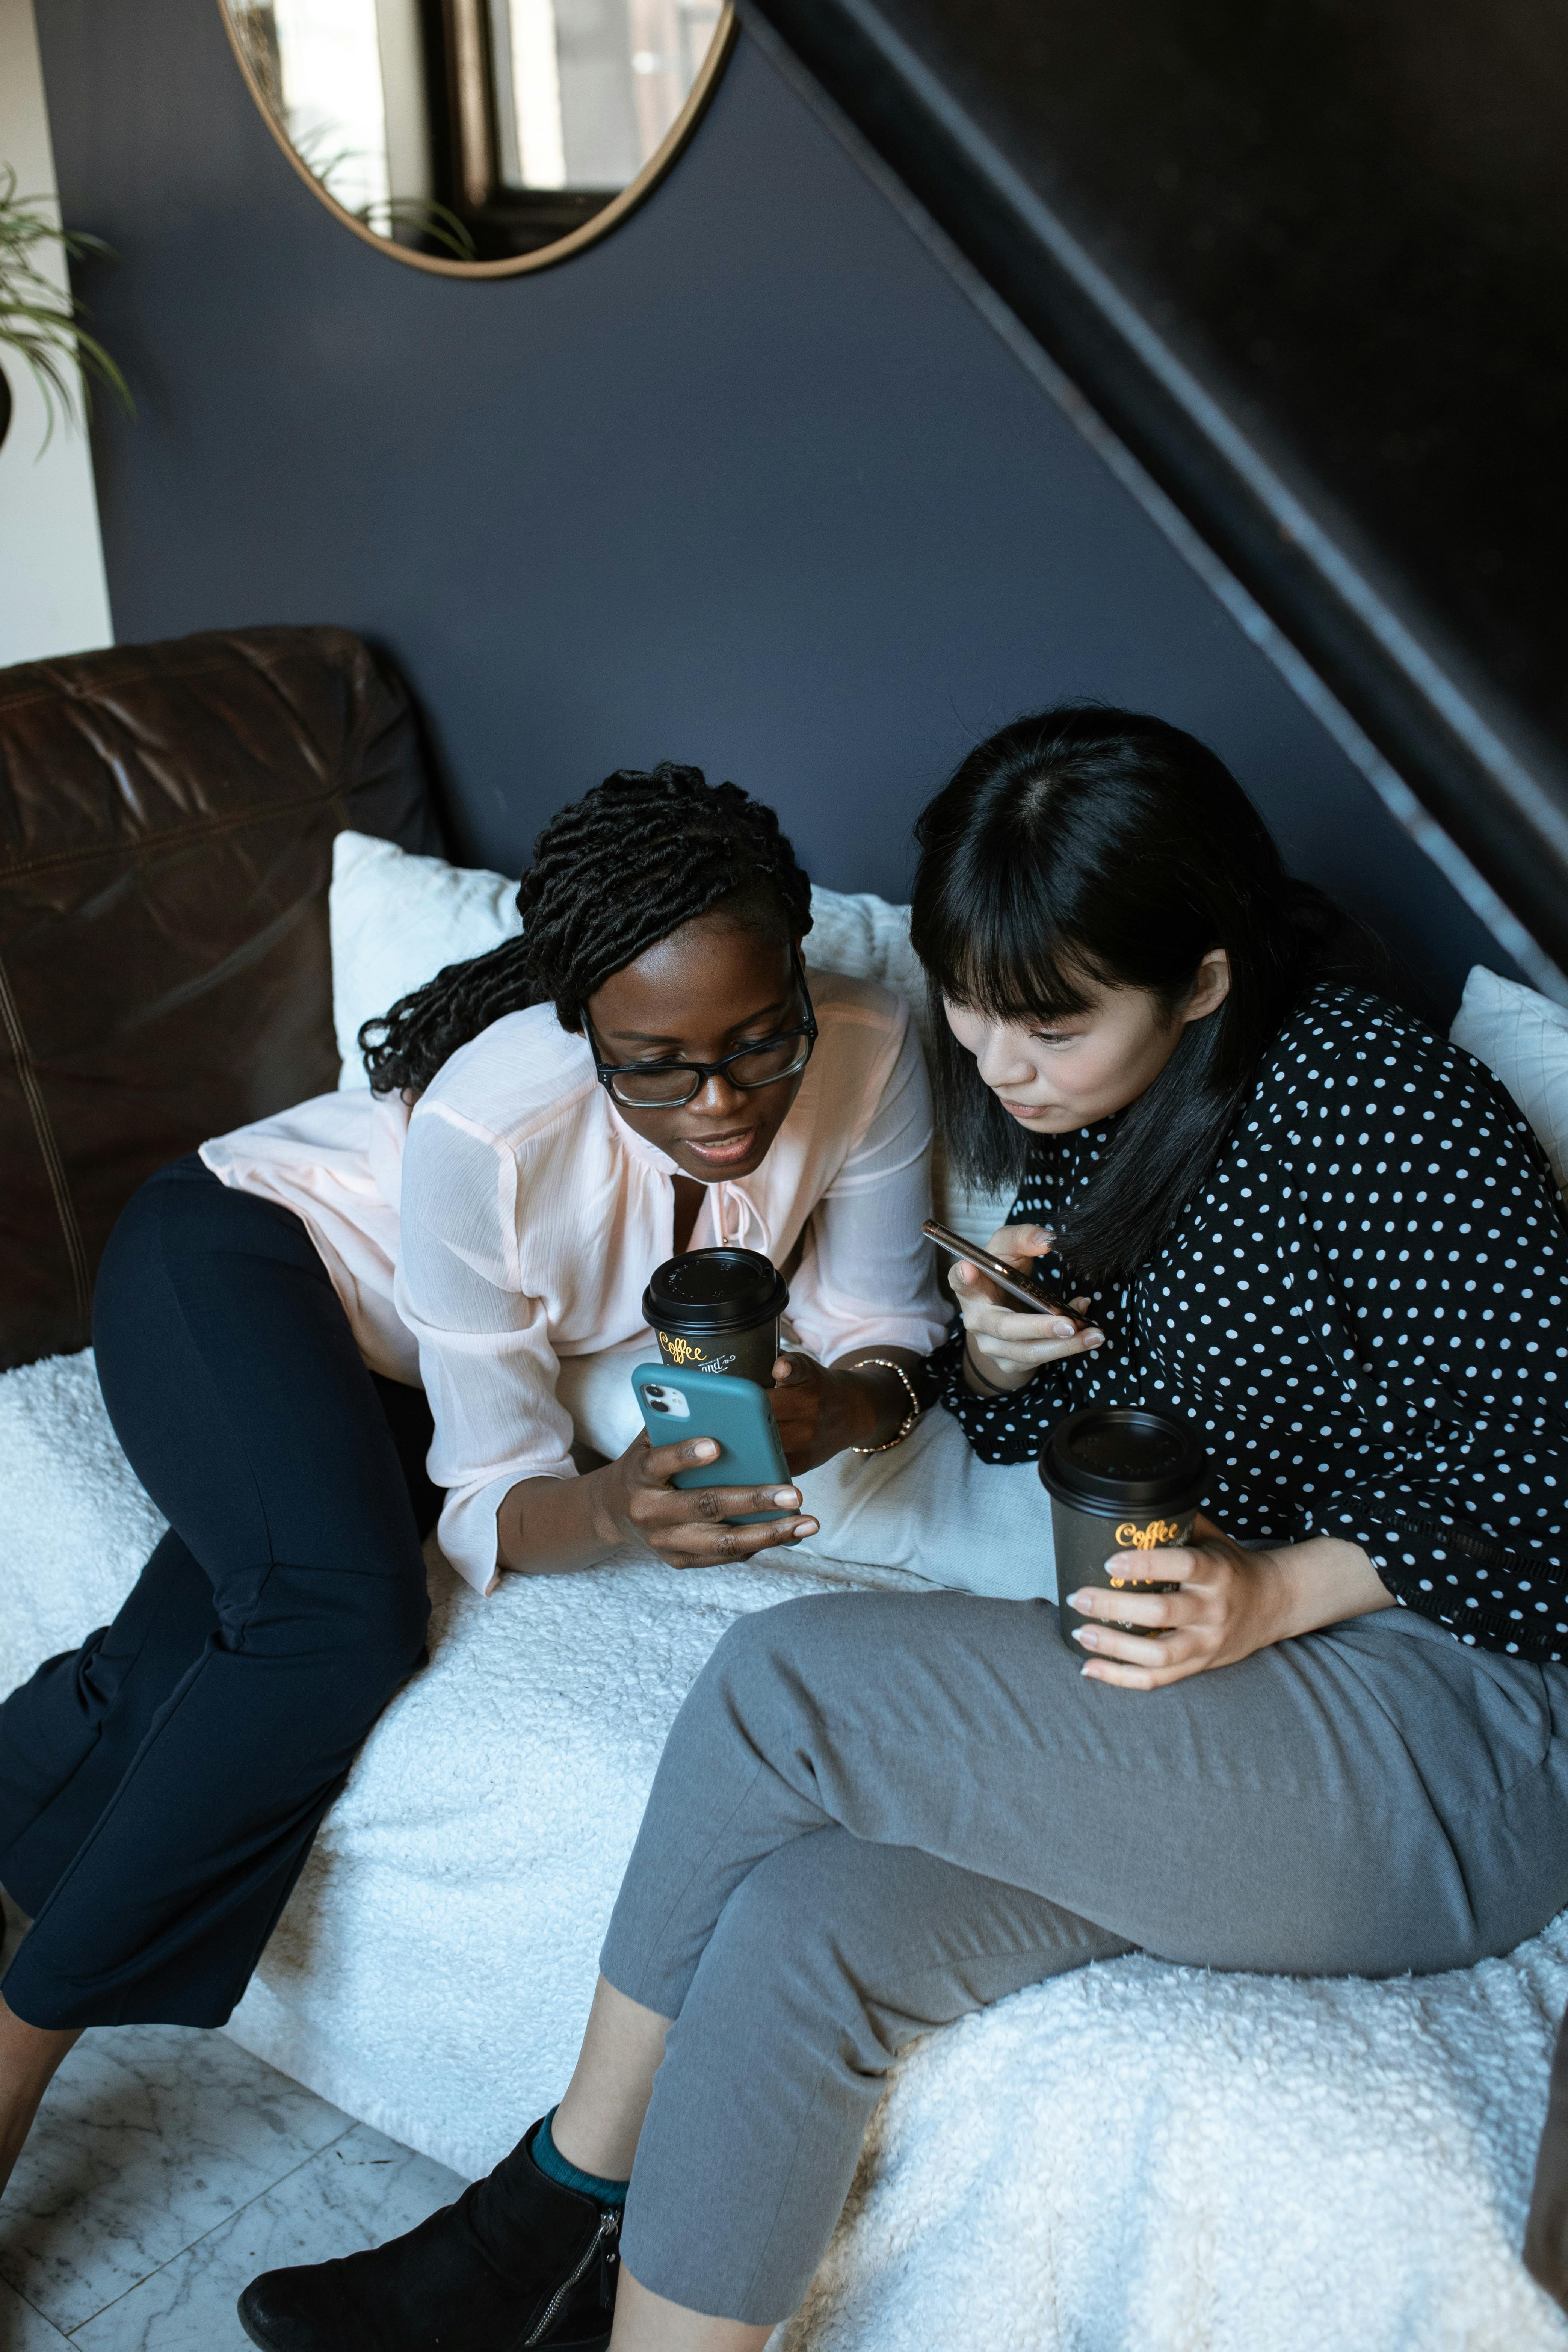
point(1087, 846)
point(612, 875)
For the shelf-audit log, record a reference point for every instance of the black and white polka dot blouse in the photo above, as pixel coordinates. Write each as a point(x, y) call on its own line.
point(1365, 1311)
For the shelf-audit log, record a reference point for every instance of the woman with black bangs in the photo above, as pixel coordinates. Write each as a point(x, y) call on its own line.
point(1339, 1747)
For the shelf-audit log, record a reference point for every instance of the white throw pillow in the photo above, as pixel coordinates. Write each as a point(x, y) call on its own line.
point(398, 920)
point(869, 937)
point(1522, 1038)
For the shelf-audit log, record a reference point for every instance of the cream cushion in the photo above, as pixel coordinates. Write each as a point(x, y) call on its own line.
point(1522, 1038)
point(397, 920)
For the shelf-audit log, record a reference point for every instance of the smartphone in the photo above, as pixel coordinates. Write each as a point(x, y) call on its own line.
point(1007, 1277)
point(735, 1413)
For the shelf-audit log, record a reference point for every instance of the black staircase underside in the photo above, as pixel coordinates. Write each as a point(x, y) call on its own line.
point(1309, 258)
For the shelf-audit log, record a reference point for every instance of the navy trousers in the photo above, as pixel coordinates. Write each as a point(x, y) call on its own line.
point(160, 1787)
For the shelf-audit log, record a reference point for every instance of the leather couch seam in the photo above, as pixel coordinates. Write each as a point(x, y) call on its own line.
point(51, 691)
point(43, 1135)
point(136, 849)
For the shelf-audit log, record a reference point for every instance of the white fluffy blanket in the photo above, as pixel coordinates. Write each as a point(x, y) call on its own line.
point(1137, 2158)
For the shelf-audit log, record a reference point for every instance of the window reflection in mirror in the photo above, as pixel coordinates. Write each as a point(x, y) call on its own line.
point(477, 130)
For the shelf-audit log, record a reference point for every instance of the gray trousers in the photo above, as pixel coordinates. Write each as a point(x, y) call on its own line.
point(878, 1812)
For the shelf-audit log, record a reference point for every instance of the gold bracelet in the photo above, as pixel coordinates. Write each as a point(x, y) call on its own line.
point(885, 1363)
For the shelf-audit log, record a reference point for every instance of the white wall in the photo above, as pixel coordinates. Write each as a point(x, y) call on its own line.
point(53, 598)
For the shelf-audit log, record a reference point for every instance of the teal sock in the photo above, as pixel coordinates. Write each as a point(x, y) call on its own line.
point(554, 2167)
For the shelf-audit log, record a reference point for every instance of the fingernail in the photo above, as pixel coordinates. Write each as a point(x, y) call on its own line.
point(805, 1526)
point(704, 1450)
point(1093, 1339)
point(1087, 1635)
point(1062, 1330)
point(787, 1496)
point(1079, 1600)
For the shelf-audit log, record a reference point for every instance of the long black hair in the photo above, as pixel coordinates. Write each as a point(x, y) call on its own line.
point(612, 875)
point(1086, 848)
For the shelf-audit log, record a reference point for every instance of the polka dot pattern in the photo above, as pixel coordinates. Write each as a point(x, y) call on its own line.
point(1364, 1312)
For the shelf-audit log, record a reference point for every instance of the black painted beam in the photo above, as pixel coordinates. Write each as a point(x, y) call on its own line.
point(1309, 258)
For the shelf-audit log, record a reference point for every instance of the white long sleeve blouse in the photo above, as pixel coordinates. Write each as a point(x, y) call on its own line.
point(513, 1219)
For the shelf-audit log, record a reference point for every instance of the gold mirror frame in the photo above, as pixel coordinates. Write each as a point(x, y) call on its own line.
point(635, 192)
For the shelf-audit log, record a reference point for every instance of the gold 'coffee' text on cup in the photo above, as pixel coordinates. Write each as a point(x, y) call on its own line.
point(1133, 1537)
point(680, 1352)
point(1158, 1532)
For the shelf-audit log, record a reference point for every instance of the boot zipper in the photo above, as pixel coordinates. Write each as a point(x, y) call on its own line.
point(604, 2245)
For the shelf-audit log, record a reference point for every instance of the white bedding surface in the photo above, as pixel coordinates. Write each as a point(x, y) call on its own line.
point(1137, 2158)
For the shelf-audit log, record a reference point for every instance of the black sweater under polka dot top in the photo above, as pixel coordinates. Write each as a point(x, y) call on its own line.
point(1364, 1311)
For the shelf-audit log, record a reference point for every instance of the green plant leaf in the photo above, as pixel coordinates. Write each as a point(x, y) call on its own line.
point(433, 220)
point(43, 326)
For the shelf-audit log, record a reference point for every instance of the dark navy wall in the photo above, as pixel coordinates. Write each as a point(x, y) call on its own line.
point(749, 483)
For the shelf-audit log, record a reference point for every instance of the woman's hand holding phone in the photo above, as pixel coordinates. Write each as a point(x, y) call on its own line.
point(636, 1503)
point(1006, 1344)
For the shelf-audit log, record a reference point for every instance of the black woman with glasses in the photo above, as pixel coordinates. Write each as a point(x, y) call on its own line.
point(325, 1331)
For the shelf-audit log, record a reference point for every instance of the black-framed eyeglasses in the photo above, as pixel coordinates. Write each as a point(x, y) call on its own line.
point(666, 1085)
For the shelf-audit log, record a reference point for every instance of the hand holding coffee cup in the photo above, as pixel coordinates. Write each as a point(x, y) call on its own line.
point(1216, 1604)
point(1005, 1343)
point(821, 1409)
point(1124, 1483)
point(718, 1310)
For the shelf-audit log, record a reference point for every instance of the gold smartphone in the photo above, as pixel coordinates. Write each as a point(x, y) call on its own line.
point(1007, 1277)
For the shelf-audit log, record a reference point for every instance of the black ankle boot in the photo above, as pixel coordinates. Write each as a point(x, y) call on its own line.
point(518, 2260)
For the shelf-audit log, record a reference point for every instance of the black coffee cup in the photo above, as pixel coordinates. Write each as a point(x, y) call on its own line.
point(717, 1310)
point(1120, 1477)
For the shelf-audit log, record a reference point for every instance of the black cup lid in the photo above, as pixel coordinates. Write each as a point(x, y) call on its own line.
point(714, 1290)
point(1124, 1456)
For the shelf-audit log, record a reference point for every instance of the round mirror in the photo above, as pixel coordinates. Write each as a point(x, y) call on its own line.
point(480, 137)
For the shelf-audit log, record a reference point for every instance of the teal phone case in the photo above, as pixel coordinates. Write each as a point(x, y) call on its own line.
point(735, 1413)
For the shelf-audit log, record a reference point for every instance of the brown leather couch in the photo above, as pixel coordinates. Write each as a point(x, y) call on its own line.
point(167, 815)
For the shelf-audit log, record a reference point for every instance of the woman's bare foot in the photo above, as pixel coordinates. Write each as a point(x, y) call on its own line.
point(28, 2057)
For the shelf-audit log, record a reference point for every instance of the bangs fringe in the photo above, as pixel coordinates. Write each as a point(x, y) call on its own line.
point(995, 954)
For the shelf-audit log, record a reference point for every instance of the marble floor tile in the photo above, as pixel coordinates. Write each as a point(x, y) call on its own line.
point(23, 2329)
point(151, 2136)
point(360, 2191)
